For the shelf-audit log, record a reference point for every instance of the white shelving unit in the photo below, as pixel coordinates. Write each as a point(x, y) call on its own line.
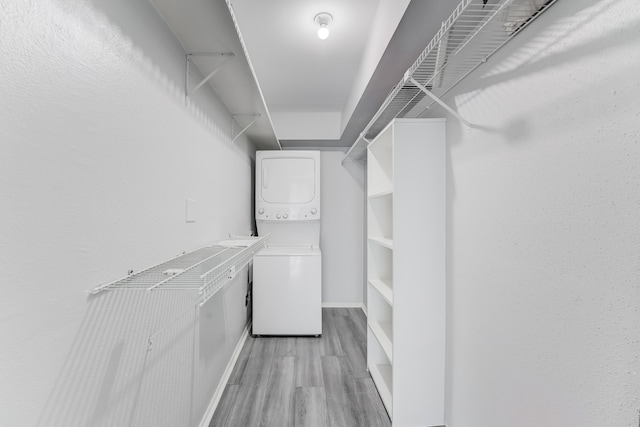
point(406, 269)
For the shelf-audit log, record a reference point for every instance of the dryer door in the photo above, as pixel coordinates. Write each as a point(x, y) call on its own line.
point(288, 180)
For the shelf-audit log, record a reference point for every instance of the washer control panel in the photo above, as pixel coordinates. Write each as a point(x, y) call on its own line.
point(288, 213)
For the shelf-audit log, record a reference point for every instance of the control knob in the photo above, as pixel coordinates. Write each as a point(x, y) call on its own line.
point(285, 216)
point(260, 211)
point(278, 216)
point(314, 211)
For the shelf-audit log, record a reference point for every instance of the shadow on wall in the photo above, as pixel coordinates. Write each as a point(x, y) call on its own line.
point(532, 57)
point(141, 359)
point(144, 40)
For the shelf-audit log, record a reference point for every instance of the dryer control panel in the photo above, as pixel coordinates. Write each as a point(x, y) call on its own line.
point(288, 185)
point(288, 213)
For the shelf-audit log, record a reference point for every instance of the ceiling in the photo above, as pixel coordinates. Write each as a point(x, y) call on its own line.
point(293, 88)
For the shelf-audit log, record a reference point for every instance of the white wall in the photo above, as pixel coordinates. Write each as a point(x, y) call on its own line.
point(306, 125)
point(543, 235)
point(341, 235)
point(98, 156)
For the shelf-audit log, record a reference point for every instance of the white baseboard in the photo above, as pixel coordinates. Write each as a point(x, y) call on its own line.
point(342, 305)
point(345, 305)
point(211, 409)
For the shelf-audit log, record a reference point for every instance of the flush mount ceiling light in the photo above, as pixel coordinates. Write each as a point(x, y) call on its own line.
point(323, 19)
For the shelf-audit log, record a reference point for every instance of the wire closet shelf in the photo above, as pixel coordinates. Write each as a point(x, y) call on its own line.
point(466, 39)
point(206, 270)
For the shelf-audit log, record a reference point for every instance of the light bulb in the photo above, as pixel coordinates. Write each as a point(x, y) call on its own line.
point(323, 32)
point(323, 20)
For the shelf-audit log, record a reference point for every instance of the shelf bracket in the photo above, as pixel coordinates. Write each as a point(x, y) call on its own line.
point(440, 102)
point(225, 57)
point(253, 117)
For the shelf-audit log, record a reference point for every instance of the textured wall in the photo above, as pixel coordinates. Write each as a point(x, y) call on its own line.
point(543, 230)
point(98, 154)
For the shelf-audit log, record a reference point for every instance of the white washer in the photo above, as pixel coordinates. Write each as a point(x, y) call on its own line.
point(287, 275)
point(287, 291)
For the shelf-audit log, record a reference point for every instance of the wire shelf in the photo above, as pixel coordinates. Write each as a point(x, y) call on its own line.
point(217, 277)
point(474, 31)
point(206, 269)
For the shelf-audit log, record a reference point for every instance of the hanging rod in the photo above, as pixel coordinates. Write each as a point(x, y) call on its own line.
point(474, 31)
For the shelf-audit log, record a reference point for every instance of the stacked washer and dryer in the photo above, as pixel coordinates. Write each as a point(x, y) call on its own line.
point(287, 285)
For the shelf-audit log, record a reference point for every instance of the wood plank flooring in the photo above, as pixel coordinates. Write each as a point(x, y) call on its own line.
point(300, 381)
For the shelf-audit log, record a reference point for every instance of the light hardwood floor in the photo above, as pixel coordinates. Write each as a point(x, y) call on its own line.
point(299, 381)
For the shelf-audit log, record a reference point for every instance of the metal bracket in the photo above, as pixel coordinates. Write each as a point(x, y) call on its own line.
point(233, 119)
point(440, 102)
point(225, 57)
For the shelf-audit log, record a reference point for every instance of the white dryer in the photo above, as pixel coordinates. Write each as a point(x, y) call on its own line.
point(287, 274)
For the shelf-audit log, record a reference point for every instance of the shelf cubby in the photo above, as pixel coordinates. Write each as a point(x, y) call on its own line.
point(380, 218)
point(380, 322)
point(379, 263)
point(384, 288)
point(380, 165)
point(380, 369)
point(382, 241)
